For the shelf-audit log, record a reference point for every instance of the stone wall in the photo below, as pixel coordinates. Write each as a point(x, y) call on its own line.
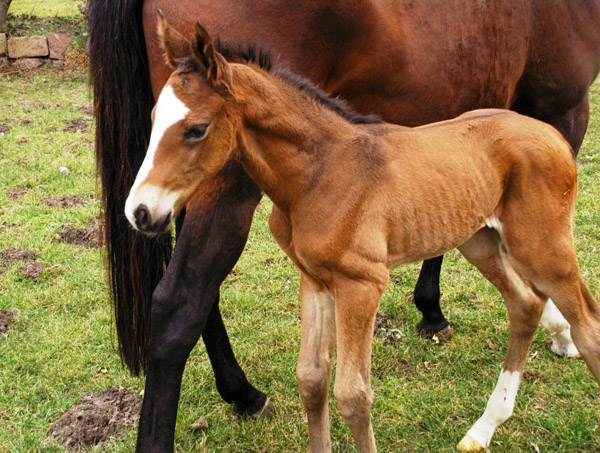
point(30, 52)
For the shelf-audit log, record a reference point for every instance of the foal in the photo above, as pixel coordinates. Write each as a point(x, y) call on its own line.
point(349, 203)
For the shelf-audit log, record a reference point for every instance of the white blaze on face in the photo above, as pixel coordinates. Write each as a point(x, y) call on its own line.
point(169, 111)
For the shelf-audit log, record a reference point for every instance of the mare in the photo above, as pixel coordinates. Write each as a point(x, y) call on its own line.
point(349, 204)
point(409, 62)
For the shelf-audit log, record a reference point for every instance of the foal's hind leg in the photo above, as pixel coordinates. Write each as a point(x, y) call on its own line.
point(525, 308)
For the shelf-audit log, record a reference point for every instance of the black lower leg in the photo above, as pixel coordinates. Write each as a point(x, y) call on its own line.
point(232, 384)
point(427, 297)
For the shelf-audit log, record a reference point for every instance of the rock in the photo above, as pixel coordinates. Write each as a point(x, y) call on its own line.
point(58, 64)
point(58, 44)
point(2, 43)
point(28, 46)
point(200, 425)
point(26, 64)
point(64, 170)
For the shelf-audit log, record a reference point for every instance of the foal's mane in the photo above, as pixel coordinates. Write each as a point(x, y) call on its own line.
point(250, 54)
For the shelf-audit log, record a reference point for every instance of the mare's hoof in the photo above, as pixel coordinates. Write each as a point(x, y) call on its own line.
point(443, 335)
point(441, 329)
point(568, 350)
point(469, 444)
point(267, 410)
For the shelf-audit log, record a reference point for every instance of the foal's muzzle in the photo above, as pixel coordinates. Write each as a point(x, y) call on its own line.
point(146, 224)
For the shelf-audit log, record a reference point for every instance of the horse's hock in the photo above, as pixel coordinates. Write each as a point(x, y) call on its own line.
point(30, 52)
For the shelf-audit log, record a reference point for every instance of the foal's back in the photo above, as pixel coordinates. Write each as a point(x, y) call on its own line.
point(427, 190)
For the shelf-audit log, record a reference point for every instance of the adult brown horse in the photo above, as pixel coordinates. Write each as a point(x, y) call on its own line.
point(410, 62)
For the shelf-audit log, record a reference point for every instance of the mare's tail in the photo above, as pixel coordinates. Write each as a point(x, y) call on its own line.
point(122, 105)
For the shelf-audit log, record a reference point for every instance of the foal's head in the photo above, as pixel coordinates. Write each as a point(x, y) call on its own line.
point(193, 130)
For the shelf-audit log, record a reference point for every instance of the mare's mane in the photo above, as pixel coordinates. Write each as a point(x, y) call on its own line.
point(260, 57)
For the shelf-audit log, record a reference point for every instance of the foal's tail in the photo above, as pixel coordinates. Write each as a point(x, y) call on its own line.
point(122, 105)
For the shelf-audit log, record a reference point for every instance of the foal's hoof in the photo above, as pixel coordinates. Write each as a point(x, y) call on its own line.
point(469, 444)
point(568, 350)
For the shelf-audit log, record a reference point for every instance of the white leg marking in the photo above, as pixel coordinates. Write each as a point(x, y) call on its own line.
point(169, 110)
point(555, 325)
point(499, 408)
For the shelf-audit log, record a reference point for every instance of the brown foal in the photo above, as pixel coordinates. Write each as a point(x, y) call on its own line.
point(354, 197)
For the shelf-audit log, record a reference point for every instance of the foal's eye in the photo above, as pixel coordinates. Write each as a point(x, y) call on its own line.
point(196, 132)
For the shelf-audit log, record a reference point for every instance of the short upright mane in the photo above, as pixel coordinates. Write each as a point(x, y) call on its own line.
point(262, 58)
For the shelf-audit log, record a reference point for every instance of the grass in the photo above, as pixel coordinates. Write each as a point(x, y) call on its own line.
point(426, 396)
point(46, 8)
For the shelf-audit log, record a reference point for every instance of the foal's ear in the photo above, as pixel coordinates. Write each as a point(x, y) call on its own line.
point(212, 62)
point(176, 48)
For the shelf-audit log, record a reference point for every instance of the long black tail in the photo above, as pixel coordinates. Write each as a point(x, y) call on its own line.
point(122, 104)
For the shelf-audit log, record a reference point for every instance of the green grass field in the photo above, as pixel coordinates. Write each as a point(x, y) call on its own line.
point(46, 8)
point(426, 396)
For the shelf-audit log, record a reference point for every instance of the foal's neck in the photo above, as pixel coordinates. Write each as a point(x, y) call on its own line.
point(285, 135)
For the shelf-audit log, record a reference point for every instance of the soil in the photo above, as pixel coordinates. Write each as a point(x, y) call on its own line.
point(392, 331)
point(32, 271)
point(86, 237)
point(4, 129)
point(96, 418)
point(15, 194)
point(76, 59)
point(64, 202)
point(77, 125)
point(7, 319)
point(13, 255)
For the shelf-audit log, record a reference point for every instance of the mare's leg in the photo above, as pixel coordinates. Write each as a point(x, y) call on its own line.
point(213, 235)
point(356, 304)
point(427, 300)
point(314, 362)
point(525, 308)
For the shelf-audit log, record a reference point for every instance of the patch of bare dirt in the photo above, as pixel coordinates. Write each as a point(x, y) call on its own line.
point(86, 237)
point(32, 271)
point(15, 194)
point(4, 224)
point(4, 129)
point(13, 255)
point(25, 122)
point(76, 125)
point(7, 318)
point(86, 108)
point(96, 418)
point(393, 332)
point(64, 202)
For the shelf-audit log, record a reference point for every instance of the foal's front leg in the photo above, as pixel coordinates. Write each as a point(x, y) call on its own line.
point(356, 304)
point(314, 362)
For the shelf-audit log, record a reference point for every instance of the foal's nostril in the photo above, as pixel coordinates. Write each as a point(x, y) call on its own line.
point(142, 217)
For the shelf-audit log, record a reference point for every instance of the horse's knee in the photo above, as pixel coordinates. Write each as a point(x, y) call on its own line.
point(313, 384)
point(354, 402)
point(175, 327)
